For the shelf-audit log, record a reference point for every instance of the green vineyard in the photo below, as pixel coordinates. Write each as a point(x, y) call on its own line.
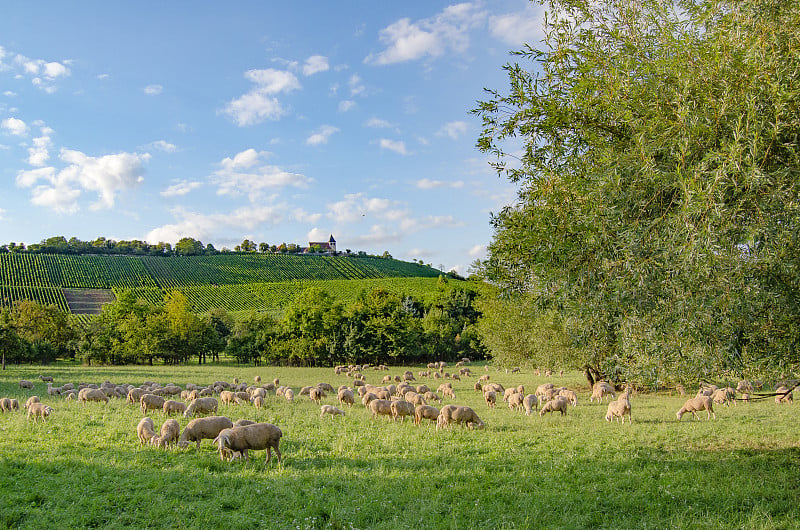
point(235, 282)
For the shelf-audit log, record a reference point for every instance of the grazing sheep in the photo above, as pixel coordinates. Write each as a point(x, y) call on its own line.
point(330, 409)
point(368, 398)
point(401, 409)
point(145, 430)
point(530, 402)
point(39, 410)
point(380, 407)
point(204, 405)
point(170, 430)
point(432, 396)
point(200, 428)
point(542, 389)
point(695, 404)
point(724, 396)
point(788, 398)
point(92, 394)
point(173, 407)
point(618, 409)
point(151, 402)
point(254, 437)
point(346, 396)
point(571, 396)
point(744, 386)
point(52, 391)
point(558, 404)
point(306, 390)
point(508, 392)
point(600, 390)
point(258, 402)
point(243, 422)
point(425, 412)
point(462, 415)
point(515, 401)
point(229, 398)
point(14, 404)
point(46, 378)
point(26, 384)
point(31, 401)
point(5, 404)
point(316, 394)
point(490, 398)
point(288, 394)
point(257, 379)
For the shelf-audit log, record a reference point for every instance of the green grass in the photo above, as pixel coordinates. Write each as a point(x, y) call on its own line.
point(84, 468)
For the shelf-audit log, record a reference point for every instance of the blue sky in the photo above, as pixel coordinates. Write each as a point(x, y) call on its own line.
point(271, 121)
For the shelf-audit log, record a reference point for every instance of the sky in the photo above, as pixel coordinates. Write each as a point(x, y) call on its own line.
point(270, 121)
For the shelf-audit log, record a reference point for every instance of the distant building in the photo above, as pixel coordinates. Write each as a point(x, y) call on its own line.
point(325, 246)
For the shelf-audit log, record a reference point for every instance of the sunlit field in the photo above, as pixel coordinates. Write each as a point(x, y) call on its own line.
point(84, 468)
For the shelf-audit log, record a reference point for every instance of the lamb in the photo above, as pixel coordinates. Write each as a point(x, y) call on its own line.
point(695, 404)
point(205, 405)
point(200, 428)
point(170, 430)
point(346, 396)
point(618, 409)
point(250, 437)
point(92, 394)
point(380, 406)
point(401, 409)
point(151, 402)
point(39, 410)
point(425, 412)
point(330, 409)
point(173, 407)
point(145, 430)
point(26, 384)
point(558, 404)
point(530, 403)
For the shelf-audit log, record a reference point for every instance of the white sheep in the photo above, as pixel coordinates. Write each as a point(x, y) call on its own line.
point(600, 390)
point(204, 405)
point(92, 394)
point(490, 397)
point(25, 384)
point(346, 396)
point(330, 409)
point(695, 404)
point(201, 428)
point(558, 404)
point(258, 402)
point(151, 402)
point(515, 401)
point(288, 394)
point(31, 400)
point(787, 398)
point(618, 409)
point(425, 412)
point(531, 402)
point(459, 414)
point(145, 430)
point(316, 394)
point(401, 409)
point(254, 437)
point(5, 404)
point(170, 430)
point(380, 407)
point(38, 410)
point(229, 398)
point(173, 407)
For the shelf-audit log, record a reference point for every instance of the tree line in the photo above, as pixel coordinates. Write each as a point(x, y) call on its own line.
point(315, 330)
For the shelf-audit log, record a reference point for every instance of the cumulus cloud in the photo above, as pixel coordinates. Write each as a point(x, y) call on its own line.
point(180, 188)
point(427, 184)
point(204, 226)
point(516, 29)
point(106, 176)
point(315, 64)
point(431, 37)
point(453, 129)
point(261, 103)
point(355, 206)
point(153, 90)
point(246, 173)
point(393, 145)
point(43, 73)
point(321, 135)
point(14, 126)
point(39, 153)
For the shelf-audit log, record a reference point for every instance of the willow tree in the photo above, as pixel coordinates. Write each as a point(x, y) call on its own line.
point(655, 149)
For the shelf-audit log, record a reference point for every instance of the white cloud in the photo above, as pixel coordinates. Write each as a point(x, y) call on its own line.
point(213, 226)
point(106, 175)
point(377, 123)
point(321, 135)
point(39, 154)
point(14, 126)
point(453, 129)
point(163, 145)
point(356, 85)
point(315, 64)
point(181, 188)
point(245, 173)
point(355, 206)
point(9, 93)
point(477, 251)
point(346, 105)
point(427, 184)
point(153, 90)
point(431, 37)
point(43, 73)
point(516, 29)
point(393, 145)
point(260, 103)
point(103, 77)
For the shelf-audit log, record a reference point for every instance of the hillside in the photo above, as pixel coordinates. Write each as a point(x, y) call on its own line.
point(236, 282)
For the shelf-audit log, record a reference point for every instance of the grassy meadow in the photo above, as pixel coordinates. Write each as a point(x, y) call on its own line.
point(83, 468)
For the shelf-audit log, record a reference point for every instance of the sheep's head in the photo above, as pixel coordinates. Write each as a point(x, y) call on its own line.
point(679, 414)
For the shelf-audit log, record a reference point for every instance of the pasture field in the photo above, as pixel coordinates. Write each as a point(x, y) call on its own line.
point(83, 468)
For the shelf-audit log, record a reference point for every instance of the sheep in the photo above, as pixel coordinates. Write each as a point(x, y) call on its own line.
point(46, 378)
point(367, 398)
point(39, 410)
point(781, 398)
point(508, 392)
point(448, 392)
point(204, 405)
point(346, 396)
point(744, 386)
point(26, 384)
point(515, 401)
point(92, 394)
point(491, 398)
point(257, 379)
point(330, 409)
point(559, 404)
point(459, 414)
point(432, 396)
point(250, 437)
point(14, 404)
point(289, 394)
point(151, 402)
point(135, 394)
point(31, 401)
point(401, 409)
point(618, 409)
point(243, 422)
point(600, 390)
point(724, 396)
point(258, 402)
point(695, 404)
point(542, 389)
point(200, 428)
point(316, 394)
point(170, 430)
point(52, 391)
point(425, 412)
point(173, 407)
point(5, 404)
point(228, 397)
point(380, 406)
point(145, 430)
point(571, 396)
point(530, 402)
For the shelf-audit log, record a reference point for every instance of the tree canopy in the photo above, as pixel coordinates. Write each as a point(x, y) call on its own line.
point(655, 149)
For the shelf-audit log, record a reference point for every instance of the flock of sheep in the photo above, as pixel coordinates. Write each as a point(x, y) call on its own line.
point(396, 397)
